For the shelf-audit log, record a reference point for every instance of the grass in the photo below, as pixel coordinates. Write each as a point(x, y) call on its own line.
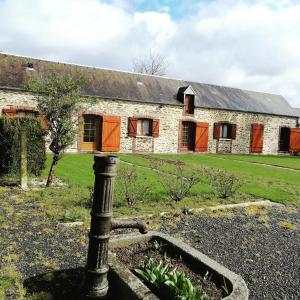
point(72, 203)
point(292, 162)
point(287, 225)
point(11, 283)
point(280, 185)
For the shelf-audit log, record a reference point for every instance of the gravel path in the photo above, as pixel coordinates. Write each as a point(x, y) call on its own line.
point(262, 245)
point(255, 244)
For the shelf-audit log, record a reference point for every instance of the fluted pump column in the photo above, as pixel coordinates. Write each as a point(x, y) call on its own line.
point(96, 284)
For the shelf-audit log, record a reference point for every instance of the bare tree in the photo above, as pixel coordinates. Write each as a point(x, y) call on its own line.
point(153, 64)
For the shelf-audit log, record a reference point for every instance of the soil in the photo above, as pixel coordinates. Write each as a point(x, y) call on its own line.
point(134, 255)
point(258, 245)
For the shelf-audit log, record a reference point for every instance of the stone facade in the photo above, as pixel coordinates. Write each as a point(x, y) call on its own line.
point(170, 117)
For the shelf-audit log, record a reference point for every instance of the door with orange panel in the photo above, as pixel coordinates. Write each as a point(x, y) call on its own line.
point(90, 133)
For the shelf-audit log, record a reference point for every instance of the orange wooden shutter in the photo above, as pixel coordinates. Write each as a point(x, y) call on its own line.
point(44, 122)
point(155, 128)
point(111, 129)
point(257, 131)
point(233, 131)
point(201, 138)
point(9, 112)
point(295, 140)
point(132, 126)
point(217, 130)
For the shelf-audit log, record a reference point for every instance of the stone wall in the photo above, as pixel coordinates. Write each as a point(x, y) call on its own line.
point(170, 118)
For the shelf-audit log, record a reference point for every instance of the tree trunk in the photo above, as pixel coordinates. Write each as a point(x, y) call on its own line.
point(55, 160)
point(23, 160)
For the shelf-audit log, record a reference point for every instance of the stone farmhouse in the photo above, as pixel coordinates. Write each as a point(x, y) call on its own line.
point(143, 113)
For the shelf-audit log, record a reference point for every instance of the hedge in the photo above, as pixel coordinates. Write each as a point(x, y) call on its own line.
point(10, 145)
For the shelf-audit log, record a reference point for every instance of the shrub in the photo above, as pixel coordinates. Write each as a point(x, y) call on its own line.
point(178, 184)
point(10, 145)
point(133, 187)
point(224, 183)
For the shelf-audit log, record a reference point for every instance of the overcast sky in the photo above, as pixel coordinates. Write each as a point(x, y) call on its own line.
point(244, 43)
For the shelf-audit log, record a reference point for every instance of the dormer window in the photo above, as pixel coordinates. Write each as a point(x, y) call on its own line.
point(189, 104)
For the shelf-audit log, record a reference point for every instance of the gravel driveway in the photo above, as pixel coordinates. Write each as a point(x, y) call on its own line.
point(261, 244)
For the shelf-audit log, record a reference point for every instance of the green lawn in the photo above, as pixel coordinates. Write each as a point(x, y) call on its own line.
point(292, 162)
point(281, 185)
point(260, 182)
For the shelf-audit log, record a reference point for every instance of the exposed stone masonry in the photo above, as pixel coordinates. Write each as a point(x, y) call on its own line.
point(170, 117)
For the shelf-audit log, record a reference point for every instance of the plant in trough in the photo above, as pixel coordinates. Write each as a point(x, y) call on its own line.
point(175, 283)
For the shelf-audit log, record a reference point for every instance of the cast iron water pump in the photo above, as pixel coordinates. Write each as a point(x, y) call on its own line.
point(96, 283)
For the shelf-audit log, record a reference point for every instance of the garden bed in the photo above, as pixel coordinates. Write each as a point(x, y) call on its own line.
point(207, 275)
point(134, 256)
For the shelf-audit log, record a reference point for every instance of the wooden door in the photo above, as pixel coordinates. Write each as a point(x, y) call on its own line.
point(90, 133)
point(284, 140)
point(201, 140)
point(295, 140)
point(187, 136)
point(111, 130)
point(257, 131)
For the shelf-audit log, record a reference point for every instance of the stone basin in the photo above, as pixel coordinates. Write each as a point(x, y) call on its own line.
point(125, 285)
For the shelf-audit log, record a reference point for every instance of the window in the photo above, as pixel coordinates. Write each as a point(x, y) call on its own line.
point(89, 133)
point(225, 131)
point(26, 113)
point(31, 114)
point(189, 104)
point(143, 127)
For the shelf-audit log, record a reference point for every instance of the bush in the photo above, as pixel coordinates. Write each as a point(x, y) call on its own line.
point(10, 145)
point(224, 183)
point(179, 183)
point(133, 187)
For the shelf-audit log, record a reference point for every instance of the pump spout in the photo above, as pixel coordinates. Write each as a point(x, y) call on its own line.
point(141, 226)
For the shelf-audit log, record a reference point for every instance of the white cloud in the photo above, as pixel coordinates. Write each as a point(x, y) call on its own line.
point(246, 44)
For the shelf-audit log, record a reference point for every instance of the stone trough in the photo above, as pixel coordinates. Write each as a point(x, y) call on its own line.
point(131, 287)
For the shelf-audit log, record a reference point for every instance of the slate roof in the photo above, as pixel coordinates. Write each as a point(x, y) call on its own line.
point(297, 111)
point(15, 70)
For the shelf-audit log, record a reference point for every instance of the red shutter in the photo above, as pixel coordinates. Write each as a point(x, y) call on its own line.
point(9, 112)
point(257, 131)
point(295, 140)
point(217, 130)
point(155, 128)
point(201, 137)
point(111, 129)
point(233, 131)
point(132, 126)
